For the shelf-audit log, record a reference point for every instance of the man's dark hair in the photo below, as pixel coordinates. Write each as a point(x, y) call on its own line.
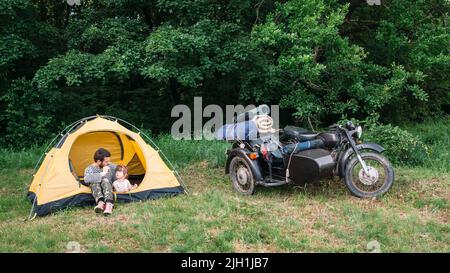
point(100, 154)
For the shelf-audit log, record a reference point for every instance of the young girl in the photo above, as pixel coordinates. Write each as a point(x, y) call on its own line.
point(122, 184)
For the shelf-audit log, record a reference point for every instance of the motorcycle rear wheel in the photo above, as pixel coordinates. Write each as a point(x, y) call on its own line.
point(377, 182)
point(242, 176)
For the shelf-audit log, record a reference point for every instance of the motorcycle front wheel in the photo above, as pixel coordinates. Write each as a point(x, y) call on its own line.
point(377, 181)
point(242, 176)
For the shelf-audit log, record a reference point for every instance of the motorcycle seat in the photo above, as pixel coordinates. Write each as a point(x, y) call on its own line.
point(299, 133)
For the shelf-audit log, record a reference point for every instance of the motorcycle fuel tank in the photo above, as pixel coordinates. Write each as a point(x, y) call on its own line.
point(310, 165)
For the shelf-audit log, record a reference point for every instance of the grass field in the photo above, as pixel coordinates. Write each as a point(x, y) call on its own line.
point(412, 217)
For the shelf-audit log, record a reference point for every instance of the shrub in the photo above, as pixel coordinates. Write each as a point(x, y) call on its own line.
point(401, 146)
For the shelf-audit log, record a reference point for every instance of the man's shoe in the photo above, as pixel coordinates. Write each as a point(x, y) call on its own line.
point(108, 209)
point(100, 207)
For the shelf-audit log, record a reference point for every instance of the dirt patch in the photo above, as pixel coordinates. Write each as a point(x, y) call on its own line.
point(243, 247)
point(198, 177)
point(160, 249)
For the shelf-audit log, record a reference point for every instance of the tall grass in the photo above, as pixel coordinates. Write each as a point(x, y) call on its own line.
point(435, 134)
point(20, 159)
point(184, 152)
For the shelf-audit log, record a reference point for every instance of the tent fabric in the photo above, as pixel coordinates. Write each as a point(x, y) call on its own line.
point(85, 199)
point(56, 184)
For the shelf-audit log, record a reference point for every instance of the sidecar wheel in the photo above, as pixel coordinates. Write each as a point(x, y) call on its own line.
point(377, 182)
point(242, 176)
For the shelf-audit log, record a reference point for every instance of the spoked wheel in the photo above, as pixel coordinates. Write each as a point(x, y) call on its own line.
point(376, 181)
point(241, 176)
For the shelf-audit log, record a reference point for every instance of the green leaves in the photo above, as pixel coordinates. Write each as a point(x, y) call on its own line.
point(75, 68)
point(328, 74)
point(95, 38)
point(192, 54)
point(412, 39)
point(13, 48)
point(304, 38)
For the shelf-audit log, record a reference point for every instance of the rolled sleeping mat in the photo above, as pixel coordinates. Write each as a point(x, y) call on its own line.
point(302, 146)
point(246, 130)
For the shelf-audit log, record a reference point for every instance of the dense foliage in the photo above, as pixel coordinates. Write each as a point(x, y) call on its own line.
point(323, 60)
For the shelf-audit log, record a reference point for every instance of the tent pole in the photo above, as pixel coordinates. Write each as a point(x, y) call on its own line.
point(37, 191)
point(60, 134)
point(32, 209)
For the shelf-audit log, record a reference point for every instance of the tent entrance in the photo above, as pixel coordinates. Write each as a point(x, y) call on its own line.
point(124, 151)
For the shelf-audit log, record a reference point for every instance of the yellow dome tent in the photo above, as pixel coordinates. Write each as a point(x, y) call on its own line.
point(58, 182)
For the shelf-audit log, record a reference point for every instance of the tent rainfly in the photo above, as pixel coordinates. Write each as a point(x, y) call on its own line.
point(58, 182)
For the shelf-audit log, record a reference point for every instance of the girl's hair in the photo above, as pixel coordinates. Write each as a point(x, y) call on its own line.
point(122, 168)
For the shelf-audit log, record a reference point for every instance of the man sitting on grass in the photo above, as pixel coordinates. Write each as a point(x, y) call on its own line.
point(99, 176)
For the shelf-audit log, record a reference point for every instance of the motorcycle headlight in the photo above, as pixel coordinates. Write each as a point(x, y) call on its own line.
point(359, 131)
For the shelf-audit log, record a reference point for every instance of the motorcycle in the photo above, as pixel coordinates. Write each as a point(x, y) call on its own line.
point(298, 156)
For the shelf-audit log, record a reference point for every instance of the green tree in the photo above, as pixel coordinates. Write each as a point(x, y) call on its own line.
point(319, 72)
point(26, 43)
point(414, 35)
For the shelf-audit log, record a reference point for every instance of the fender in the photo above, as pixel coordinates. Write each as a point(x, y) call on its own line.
point(253, 164)
point(364, 146)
